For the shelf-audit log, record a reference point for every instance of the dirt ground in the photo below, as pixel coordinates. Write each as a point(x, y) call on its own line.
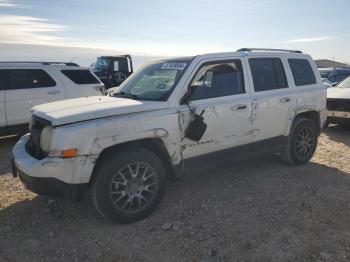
point(254, 210)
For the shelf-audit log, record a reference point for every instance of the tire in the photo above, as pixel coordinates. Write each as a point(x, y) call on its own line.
point(301, 143)
point(129, 185)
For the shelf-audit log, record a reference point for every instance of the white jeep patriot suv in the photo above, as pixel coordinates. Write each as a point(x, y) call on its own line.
point(168, 117)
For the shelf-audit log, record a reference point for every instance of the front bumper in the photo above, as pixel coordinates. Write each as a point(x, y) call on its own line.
point(53, 187)
point(59, 177)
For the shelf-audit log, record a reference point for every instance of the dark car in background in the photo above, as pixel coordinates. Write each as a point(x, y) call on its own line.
point(113, 70)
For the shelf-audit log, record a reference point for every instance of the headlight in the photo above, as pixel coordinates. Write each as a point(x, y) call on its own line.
point(45, 139)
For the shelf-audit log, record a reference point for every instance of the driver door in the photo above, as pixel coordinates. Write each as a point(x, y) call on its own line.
point(219, 91)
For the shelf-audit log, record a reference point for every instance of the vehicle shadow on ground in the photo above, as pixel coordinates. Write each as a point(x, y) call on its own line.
point(267, 200)
point(238, 178)
point(339, 133)
point(6, 145)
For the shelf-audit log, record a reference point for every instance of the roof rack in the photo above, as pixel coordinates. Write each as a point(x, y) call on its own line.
point(268, 49)
point(44, 63)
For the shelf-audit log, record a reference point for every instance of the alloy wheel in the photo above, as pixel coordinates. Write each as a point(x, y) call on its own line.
point(304, 143)
point(133, 187)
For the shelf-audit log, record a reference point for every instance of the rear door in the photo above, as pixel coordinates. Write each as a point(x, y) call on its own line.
point(3, 84)
point(27, 88)
point(273, 100)
point(81, 82)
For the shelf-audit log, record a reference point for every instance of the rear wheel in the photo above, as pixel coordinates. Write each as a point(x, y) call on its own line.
point(302, 142)
point(129, 185)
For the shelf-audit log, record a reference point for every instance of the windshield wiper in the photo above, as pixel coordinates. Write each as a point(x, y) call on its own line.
point(127, 95)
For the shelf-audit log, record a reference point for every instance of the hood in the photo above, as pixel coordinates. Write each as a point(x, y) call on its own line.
point(337, 92)
point(94, 107)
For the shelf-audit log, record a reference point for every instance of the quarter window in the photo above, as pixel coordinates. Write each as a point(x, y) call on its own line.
point(302, 72)
point(80, 77)
point(218, 79)
point(268, 74)
point(26, 78)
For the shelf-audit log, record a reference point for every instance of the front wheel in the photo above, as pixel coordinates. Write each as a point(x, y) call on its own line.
point(129, 185)
point(301, 143)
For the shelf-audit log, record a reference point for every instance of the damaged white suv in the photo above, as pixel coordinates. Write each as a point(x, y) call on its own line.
point(168, 117)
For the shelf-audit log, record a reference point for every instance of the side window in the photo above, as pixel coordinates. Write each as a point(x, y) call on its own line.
point(218, 79)
point(302, 72)
point(29, 78)
point(339, 78)
point(80, 77)
point(268, 74)
point(4, 80)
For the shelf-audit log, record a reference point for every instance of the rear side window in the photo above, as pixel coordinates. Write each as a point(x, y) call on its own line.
point(218, 79)
point(302, 72)
point(26, 79)
point(4, 80)
point(80, 77)
point(268, 74)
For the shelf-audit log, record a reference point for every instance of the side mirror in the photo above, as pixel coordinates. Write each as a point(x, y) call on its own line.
point(196, 128)
point(188, 95)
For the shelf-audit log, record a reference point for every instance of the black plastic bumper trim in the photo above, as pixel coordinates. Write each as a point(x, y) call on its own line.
point(53, 187)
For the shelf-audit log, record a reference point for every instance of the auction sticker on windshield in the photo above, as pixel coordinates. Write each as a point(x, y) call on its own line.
point(173, 66)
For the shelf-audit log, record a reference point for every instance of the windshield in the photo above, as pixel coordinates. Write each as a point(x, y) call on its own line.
point(345, 83)
point(101, 64)
point(153, 82)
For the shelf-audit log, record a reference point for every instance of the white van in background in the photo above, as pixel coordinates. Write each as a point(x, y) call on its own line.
point(26, 84)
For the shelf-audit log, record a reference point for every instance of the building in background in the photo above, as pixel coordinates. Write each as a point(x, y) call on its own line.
point(325, 63)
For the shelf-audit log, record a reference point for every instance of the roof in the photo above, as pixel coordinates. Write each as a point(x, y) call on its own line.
point(33, 64)
point(257, 52)
point(325, 63)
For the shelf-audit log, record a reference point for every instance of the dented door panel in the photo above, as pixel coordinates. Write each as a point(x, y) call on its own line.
point(227, 120)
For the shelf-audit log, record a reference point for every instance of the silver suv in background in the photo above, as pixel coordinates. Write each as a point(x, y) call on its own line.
point(338, 103)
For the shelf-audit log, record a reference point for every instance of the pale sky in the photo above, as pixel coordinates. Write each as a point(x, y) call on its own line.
point(80, 30)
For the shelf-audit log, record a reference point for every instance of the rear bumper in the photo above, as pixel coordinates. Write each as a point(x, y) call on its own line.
point(338, 114)
point(338, 120)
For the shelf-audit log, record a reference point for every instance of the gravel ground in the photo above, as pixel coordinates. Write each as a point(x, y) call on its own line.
point(254, 210)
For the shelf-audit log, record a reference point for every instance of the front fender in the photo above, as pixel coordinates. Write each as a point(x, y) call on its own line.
point(92, 137)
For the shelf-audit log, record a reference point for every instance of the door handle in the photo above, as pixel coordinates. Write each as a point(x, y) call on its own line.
point(53, 92)
point(239, 107)
point(285, 99)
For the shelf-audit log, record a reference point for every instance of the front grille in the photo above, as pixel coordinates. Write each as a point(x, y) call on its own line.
point(336, 104)
point(33, 144)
